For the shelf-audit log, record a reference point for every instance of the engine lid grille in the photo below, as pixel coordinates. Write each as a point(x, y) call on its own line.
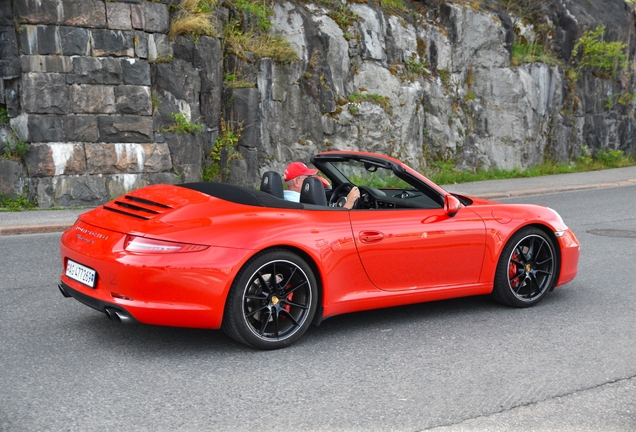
point(136, 207)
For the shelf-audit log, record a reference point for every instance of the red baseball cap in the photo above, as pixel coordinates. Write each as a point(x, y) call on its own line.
point(296, 169)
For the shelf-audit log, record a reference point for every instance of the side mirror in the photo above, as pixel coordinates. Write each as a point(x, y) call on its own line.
point(451, 205)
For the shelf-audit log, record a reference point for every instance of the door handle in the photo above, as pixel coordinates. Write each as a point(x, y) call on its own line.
point(370, 236)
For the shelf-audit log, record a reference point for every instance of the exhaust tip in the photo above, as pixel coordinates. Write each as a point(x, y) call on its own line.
point(111, 314)
point(123, 317)
point(118, 315)
point(63, 291)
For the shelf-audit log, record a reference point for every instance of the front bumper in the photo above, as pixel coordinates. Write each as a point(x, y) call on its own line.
point(570, 251)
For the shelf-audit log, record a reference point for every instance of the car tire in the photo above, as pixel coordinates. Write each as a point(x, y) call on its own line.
point(272, 301)
point(527, 270)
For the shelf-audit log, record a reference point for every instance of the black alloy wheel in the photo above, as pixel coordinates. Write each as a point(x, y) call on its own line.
point(527, 269)
point(272, 301)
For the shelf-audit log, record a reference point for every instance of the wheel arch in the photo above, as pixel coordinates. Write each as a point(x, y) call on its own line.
point(555, 241)
point(311, 262)
point(547, 230)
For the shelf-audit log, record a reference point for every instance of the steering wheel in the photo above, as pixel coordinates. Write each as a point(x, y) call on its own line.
point(339, 195)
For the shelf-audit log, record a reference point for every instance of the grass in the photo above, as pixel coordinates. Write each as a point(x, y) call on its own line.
point(259, 10)
point(233, 80)
point(531, 53)
point(195, 18)
point(261, 45)
point(375, 98)
point(443, 172)
point(182, 125)
point(343, 16)
point(15, 204)
point(416, 68)
point(393, 4)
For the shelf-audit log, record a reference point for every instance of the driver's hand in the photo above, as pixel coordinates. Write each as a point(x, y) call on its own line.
point(352, 197)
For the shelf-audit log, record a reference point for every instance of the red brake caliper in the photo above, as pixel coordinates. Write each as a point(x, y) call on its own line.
point(512, 271)
point(289, 297)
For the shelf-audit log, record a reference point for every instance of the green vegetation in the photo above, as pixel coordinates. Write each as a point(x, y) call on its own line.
point(259, 10)
point(606, 59)
point(531, 53)
point(233, 80)
point(195, 18)
point(357, 98)
point(445, 77)
point(261, 45)
point(15, 204)
point(343, 16)
point(415, 69)
point(182, 125)
point(155, 100)
point(4, 117)
point(393, 4)
point(444, 172)
point(626, 98)
point(15, 148)
point(223, 153)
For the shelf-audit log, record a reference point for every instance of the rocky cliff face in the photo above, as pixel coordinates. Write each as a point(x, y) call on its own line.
point(99, 92)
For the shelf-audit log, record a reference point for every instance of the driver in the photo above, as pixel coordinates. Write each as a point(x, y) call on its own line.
point(297, 172)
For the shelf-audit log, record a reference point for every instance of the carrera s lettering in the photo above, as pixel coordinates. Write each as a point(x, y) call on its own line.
point(91, 233)
point(79, 237)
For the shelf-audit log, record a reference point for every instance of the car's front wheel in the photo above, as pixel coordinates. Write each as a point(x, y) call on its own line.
point(272, 300)
point(527, 268)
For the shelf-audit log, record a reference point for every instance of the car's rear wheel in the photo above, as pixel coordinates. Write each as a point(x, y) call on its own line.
point(527, 268)
point(272, 300)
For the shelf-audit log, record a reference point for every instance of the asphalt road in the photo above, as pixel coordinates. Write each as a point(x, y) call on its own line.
point(466, 364)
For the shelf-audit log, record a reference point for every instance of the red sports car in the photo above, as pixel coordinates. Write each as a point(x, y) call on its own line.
point(263, 269)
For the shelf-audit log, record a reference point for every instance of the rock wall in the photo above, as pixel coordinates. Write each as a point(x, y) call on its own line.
point(94, 87)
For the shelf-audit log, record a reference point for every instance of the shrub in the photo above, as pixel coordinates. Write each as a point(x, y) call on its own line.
point(606, 58)
point(223, 153)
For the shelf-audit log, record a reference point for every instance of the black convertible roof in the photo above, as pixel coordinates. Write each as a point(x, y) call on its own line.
point(242, 195)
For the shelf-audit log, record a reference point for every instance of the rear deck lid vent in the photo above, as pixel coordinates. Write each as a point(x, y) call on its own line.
point(139, 208)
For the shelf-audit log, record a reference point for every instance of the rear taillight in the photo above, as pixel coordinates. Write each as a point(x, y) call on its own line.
point(153, 246)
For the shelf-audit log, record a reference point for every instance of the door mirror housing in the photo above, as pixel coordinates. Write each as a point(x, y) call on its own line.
point(451, 205)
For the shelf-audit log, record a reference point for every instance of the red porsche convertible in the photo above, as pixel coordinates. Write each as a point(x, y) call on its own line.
point(263, 269)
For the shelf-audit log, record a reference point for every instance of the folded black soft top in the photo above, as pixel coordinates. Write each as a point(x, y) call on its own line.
point(242, 195)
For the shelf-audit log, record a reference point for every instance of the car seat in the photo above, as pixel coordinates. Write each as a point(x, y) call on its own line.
point(313, 192)
point(272, 183)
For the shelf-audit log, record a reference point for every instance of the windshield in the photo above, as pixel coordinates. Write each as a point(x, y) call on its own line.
point(370, 174)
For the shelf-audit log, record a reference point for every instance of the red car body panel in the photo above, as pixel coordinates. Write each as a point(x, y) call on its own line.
point(363, 259)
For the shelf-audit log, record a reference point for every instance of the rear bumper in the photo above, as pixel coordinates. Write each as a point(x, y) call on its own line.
point(111, 310)
point(178, 290)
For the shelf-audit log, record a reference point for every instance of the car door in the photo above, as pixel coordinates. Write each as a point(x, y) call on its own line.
point(404, 249)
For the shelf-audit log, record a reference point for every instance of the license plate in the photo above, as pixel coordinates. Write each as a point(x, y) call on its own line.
point(81, 273)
